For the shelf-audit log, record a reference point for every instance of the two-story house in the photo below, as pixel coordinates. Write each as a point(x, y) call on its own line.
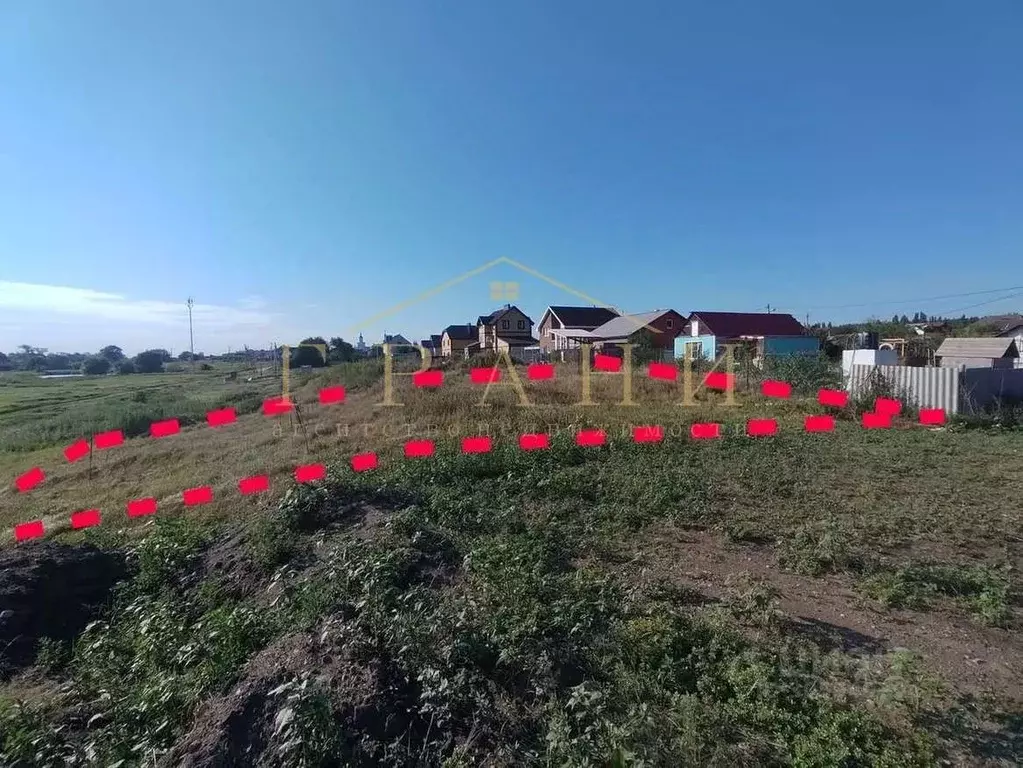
point(456, 338)
point(509, 328)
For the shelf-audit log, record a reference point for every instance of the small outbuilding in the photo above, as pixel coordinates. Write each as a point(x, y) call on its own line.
point(986, 352)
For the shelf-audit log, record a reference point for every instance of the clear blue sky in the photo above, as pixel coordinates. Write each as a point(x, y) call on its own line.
point(299, 167)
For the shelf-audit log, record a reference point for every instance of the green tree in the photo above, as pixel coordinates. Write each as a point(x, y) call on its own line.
point(150, 361)
point(112, 353)
point(126, 367)
point(644, 349)
point(340, 351)
point(311, 356)
point(96, 366)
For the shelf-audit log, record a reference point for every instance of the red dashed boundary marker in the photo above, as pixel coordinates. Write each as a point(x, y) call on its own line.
point(885, 409)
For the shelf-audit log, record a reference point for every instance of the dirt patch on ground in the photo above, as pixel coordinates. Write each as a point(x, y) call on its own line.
point(972, 658)
point(50, 590)
point(239, 728)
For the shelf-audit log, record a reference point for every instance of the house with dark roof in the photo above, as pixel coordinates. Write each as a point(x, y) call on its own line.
point(1011, 327)
point(508, 328)
point(559, 322)
point(397, 346)
point(432, 344)
point(764, 334)
point(455, 338)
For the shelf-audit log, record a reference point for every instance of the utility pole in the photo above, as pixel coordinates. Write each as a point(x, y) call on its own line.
point(191, 338)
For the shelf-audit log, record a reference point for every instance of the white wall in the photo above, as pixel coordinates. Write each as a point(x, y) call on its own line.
point(851, 357)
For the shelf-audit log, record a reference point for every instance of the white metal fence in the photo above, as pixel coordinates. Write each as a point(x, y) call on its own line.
point(956, 390)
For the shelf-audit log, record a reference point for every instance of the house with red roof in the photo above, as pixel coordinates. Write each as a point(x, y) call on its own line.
point(765, 334)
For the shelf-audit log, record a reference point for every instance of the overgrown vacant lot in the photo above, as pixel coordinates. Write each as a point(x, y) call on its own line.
point(814, 600)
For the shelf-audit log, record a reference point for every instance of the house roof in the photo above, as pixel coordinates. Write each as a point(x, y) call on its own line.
point(461, 332)
point(496, 315)
point(988, 347)
point(1006, 323)
point(623, 326)
point(587, 318)
point(395, 339)
point(433, 341)
point(731, 324)
point(517, 339)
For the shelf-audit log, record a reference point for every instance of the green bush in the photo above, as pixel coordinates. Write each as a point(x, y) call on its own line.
point(984, 590)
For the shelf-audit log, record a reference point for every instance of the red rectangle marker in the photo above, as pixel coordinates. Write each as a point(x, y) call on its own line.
point(221, 417)
point(29, 480)
point(331, 395)
point(415, 449)
point(608, 363)
point(200, 495)
point(590, 437)
point(484, 375)
point(534, 441)
point(428, 378)
point(719, 380)
point(85, 519)
point(106, 440)
point(665, 371)
point(932, 415)
point(308, 473)
point(254, 484)
point(364, 461)
point(772, 388)
point(275, 406)
point(141, 507)
point(476, 444)
point(819, 423)
point(887, 406)
point(650, 434)
point(761, 427)
point(26, 531)
point(835, 398)
point(705, 431)
point(164, 428)
point(876, 421)
point(76, 450)
point(540, 371)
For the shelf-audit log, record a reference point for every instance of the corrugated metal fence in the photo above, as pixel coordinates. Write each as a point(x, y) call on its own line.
point(925, 387)
point(956, 390)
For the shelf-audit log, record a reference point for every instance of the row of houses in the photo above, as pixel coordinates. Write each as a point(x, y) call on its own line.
point(565, 328)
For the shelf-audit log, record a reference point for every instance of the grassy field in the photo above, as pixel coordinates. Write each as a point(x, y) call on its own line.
point(815, 600)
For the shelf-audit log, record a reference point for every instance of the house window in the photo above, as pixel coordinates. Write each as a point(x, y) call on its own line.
point(669, 323)
point(694, 350)
point(504, 323)
point(522, 324)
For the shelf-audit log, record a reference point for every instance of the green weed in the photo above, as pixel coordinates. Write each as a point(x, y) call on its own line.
point(818, 548)
point(984, 590)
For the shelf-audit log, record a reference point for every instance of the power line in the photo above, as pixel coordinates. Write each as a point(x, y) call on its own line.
point(984, 303)
point(928, 298)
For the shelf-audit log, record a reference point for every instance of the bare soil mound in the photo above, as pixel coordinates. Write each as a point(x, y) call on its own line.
point(248, 725)
point(50, 590)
